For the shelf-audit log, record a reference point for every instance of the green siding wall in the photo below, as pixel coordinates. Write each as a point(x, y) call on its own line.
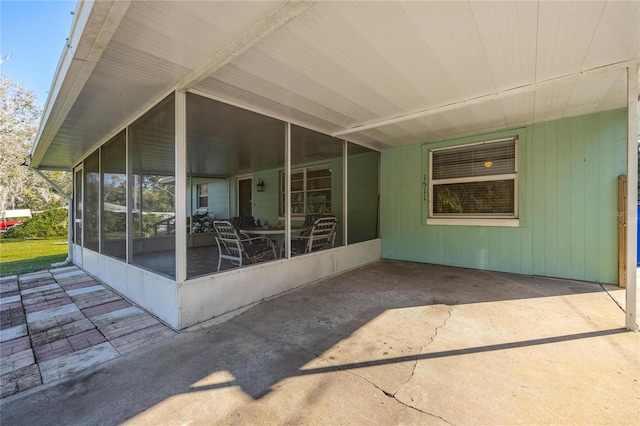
point(362, 196)
point(218, 197)
point(266, 204)
point(567, 174)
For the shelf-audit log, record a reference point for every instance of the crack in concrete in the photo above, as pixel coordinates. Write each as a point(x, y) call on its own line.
point(413, 371)
point(393, 396)
point(622, 308)
point(338, 368)
point(435, 333)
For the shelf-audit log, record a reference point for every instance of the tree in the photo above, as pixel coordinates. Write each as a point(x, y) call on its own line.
point(21, 187)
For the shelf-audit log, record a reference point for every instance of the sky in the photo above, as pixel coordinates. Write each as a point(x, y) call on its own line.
point(33, 33)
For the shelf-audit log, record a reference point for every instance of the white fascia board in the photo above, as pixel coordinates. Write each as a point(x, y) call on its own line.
point(631, 291)
point(94, 24)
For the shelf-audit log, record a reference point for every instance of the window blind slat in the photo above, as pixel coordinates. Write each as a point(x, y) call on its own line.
point(476, 160)
point(475, 180)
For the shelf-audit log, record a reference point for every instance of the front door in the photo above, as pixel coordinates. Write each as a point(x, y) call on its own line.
point(245, 198)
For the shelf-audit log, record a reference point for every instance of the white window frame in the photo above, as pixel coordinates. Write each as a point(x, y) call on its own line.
point(199, 195)
point(305, 190)
point(475, 220)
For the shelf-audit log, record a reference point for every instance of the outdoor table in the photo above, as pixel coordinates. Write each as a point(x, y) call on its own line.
point(277, 234)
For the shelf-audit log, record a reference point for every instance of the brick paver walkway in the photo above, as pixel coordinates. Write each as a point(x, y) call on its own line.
point(54, 323)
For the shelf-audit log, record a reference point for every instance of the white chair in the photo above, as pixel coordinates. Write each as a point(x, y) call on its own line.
point(320, 237)
point(235, 247)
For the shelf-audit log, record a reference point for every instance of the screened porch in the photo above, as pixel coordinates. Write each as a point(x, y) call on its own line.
point(235, 165)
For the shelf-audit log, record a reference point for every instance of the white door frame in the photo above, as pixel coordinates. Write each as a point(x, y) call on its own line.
point(238, 179)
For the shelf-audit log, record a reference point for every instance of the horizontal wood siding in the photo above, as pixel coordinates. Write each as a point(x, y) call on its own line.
point(567, 174)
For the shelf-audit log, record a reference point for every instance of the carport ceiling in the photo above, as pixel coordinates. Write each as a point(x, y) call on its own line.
point(380, 74)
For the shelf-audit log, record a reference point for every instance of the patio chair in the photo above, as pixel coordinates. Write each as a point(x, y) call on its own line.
point(235, 246)
point(310, 219)
point(240, 222)
point(320, 237)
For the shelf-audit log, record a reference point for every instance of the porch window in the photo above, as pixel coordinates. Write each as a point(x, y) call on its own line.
point(114, 198)
point(152, 199)
point(310, 190)
point(203, 196)
point(92, 201)
point(474, 182)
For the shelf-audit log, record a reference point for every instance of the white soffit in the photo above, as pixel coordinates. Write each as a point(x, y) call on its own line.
point(155, 45)
point(411, 71)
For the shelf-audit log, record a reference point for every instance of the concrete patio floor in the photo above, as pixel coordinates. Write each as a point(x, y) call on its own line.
point(389, 343)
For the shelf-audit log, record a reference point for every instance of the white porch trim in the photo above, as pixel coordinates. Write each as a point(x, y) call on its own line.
point(181, 186)
point(632, 196)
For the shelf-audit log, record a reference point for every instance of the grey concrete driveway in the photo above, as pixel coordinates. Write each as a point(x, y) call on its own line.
point(389, 343)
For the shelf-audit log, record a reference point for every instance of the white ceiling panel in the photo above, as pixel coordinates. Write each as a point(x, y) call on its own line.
point(448, 29)
point(589, 92)
point(186, 32)
point(404, 133)
point(339, 109)
point(518, 109)
point(551, 102)
point(362, 63)
point(331, 51)
point(617, 95)
point(565, 31)
point(621, 18)
point(508, 33)
point(466, 120)
point(478, 117)
point(262, 96)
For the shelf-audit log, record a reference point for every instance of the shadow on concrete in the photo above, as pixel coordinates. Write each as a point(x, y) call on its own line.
point(465, 351)
point(277, 339)
point(433, 355)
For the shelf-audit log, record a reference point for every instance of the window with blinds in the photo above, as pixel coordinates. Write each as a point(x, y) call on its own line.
point(474, 181)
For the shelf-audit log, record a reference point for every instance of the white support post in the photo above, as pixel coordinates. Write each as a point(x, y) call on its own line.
point(287, 189)
point(181, 187)
point(100, 202)
point(345, 184)
point(130, 200)
point(632, 196)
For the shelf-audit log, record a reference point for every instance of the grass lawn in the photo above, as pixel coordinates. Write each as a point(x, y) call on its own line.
point(23, 256)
